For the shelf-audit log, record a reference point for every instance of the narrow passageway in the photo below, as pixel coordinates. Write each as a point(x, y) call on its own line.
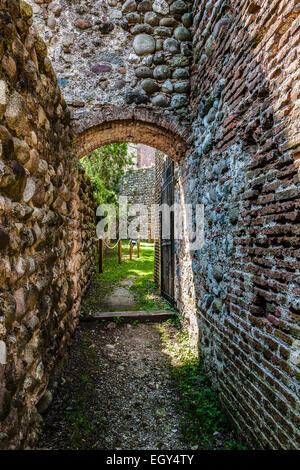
point(125, 384)
point(116, 390)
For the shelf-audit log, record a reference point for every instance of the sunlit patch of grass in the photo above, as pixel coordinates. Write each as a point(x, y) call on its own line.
point(113, 272)
point(145, 291)
point(140, 269)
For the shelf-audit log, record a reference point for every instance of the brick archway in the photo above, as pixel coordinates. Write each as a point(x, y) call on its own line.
point(116, 125)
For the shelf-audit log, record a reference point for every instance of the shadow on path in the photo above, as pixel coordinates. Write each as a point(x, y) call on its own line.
point(116, 392)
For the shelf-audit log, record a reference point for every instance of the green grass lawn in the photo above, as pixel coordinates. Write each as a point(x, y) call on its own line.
point(140, 269)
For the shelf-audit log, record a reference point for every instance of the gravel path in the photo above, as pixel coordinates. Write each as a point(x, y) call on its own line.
point(119, 299)
point(116, 392)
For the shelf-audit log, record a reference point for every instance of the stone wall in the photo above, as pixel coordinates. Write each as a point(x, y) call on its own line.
point(119, 53)
point(240, 292)
point(46, 248)
point(139, 188)
point(244, 169)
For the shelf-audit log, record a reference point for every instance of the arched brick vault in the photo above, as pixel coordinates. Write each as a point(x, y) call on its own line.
point(112, 124)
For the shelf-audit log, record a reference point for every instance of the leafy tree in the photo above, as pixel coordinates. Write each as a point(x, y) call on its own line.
point(105, 167)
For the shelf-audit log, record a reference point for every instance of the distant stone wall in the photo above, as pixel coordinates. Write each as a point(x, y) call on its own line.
point(46, 245)
point(139, 187)
point(119, 53)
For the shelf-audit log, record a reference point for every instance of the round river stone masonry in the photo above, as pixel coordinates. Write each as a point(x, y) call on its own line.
point(182, 34)
point(151, 18)
point(167, 86)
point(159, 58)
point(160, 6)
point(180, 73)
point(171, 45)
point(182, 87)
point(161, 101)
point(161, 72)
point(143, 44)
point(143, 72)
point(149, 85)
point(178, 101)
point(178, 7)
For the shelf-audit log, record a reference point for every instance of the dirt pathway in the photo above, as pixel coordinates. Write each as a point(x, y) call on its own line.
point(120, 298)
point(116, 392)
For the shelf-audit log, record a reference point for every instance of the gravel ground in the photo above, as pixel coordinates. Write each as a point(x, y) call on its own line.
point(120, 299)
point(116, 392)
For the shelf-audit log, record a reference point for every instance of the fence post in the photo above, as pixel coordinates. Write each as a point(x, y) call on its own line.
point(120, 251)
point(130, 250)
point(100, 245)
point(138, 248)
